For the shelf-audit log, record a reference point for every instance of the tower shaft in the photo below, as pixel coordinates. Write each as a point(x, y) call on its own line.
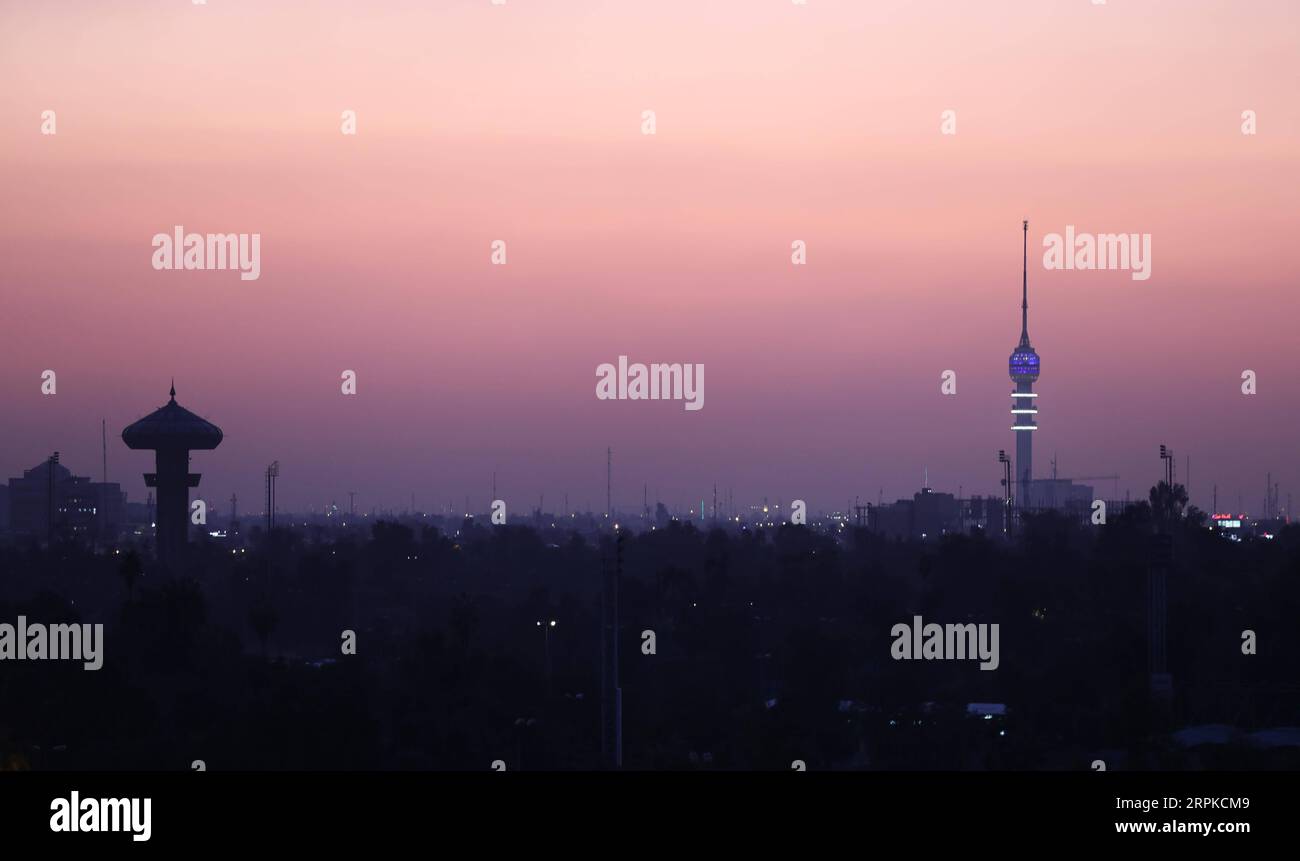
point(173, 481)
point(1024, 445)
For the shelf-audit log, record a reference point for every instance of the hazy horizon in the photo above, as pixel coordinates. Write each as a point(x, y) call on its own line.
point(775, 123)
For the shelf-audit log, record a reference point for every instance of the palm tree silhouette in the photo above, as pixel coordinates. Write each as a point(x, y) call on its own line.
point(130, 570)
point(1168, 503)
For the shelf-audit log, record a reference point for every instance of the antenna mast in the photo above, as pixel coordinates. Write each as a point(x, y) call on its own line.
point(1024, 288)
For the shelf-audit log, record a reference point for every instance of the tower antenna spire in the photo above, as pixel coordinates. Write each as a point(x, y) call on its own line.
point(1024, 288)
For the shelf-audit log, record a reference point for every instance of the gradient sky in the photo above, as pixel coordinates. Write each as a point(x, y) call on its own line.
point(776, 122)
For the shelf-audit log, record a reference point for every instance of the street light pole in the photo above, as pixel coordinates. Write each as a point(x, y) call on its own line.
point(546, 627)
point(1006, 482)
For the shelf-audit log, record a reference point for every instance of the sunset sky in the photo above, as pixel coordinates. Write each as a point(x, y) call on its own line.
point(775, 122)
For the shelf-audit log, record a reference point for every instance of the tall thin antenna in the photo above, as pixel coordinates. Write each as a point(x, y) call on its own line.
point(1024, 289)
point(103, 433)
point(609, 483)
point(272, 473)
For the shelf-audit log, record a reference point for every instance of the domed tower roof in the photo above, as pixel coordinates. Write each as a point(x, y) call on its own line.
point(172, 426)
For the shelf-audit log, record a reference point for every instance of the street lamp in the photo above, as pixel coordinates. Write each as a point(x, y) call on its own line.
point(522, 724)
point(1006, 483)
point(546, 626)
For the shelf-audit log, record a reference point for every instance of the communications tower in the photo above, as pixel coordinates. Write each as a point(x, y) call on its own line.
point(1024, 369)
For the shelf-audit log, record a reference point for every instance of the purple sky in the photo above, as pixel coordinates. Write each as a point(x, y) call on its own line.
point(774, 123)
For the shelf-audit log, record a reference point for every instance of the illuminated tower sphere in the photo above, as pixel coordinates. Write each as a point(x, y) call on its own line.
point(1024, 369)
point(172, 432)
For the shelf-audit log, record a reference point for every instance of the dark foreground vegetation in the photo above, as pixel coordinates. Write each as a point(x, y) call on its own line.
point(771, 646)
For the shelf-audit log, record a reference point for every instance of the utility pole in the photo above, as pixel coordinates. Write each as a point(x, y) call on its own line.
point(53, 464)
point(1161, 682)
point(611, 706)
point(1007, 499)
point(272, 473)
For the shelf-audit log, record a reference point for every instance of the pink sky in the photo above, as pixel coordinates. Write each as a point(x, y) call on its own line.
point(775, 122)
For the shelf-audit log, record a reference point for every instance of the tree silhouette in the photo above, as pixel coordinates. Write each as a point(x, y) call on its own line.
point(130, 570)
point(1168, 503)
point(263, 618)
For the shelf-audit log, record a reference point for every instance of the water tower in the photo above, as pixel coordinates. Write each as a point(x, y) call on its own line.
point(172, 432)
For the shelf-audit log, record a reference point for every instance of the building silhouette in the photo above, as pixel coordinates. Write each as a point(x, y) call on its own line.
point(49, 500)
point(927, 515)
